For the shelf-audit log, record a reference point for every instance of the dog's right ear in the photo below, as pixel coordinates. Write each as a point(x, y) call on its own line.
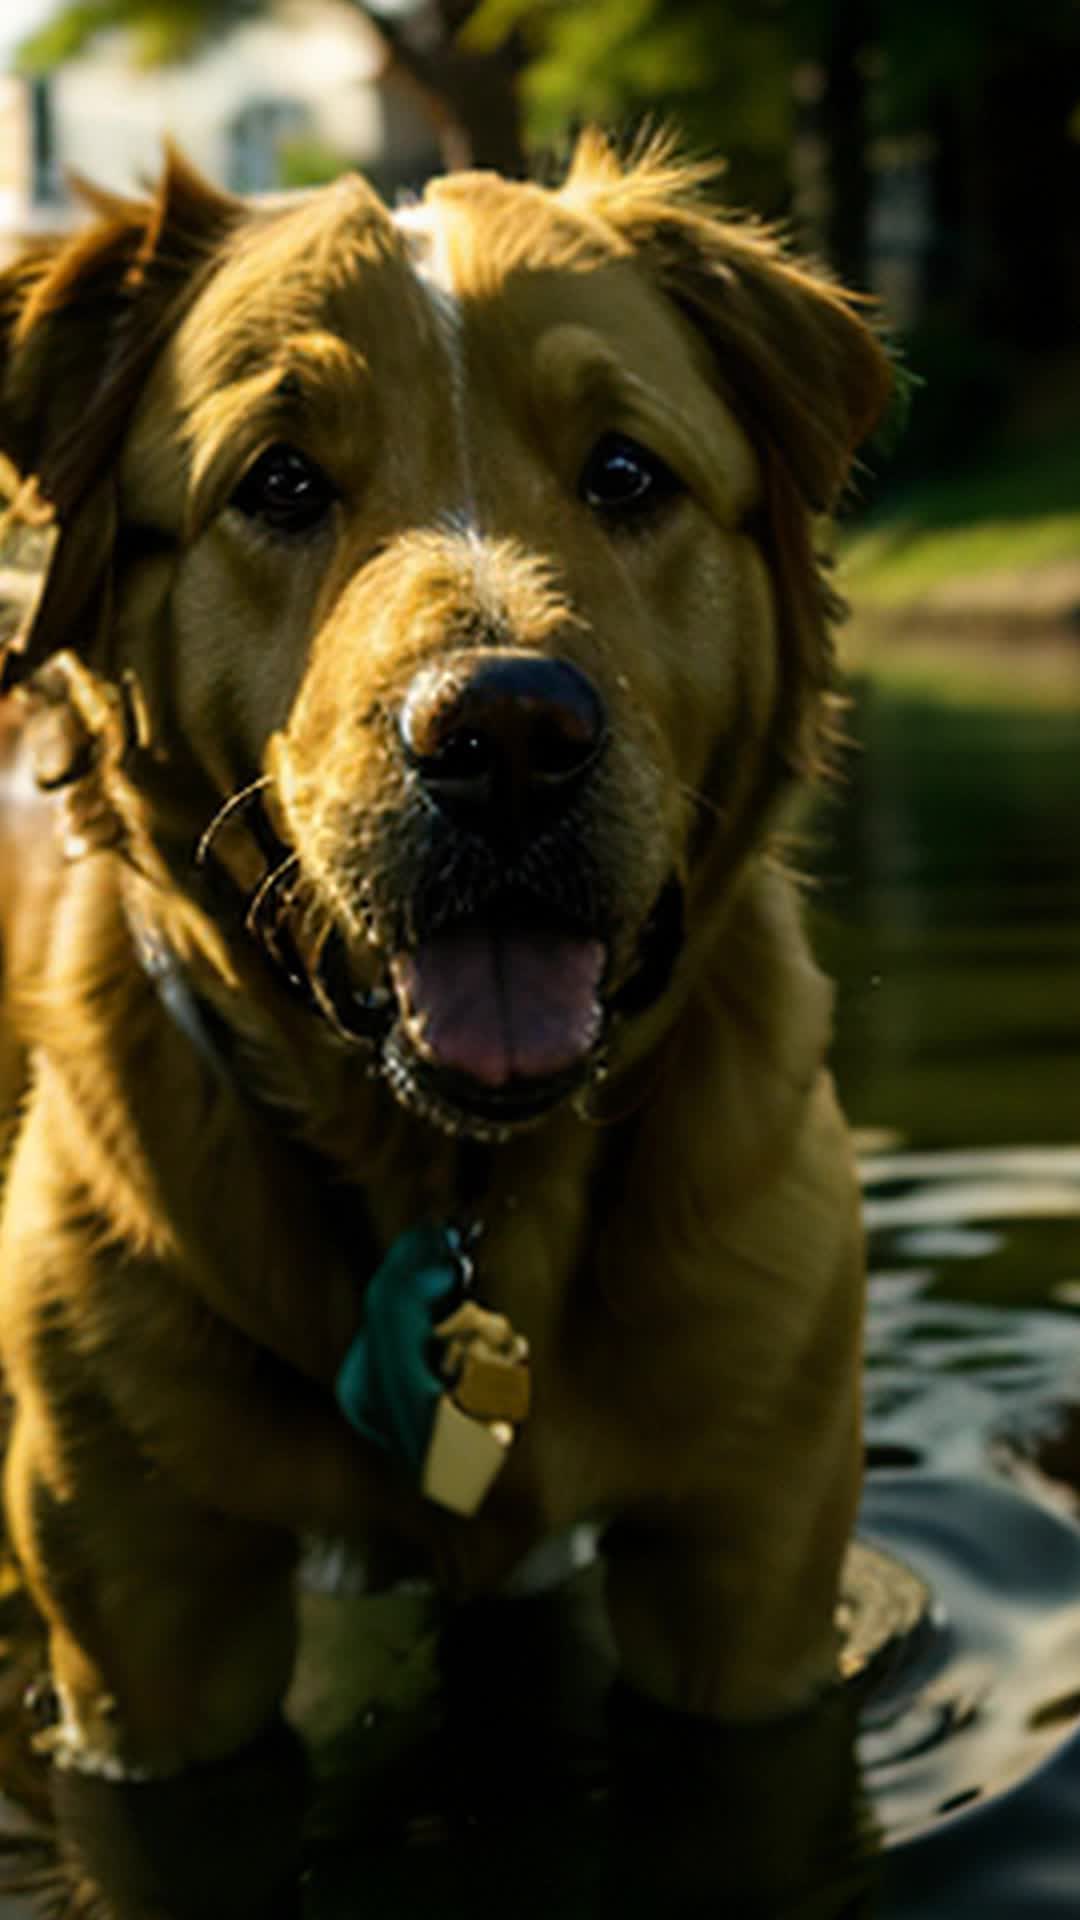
point(81, 322)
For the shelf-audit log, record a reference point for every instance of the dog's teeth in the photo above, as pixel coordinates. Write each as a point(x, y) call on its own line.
point(419, 1103)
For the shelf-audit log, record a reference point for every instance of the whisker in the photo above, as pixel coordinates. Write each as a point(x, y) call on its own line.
point(702, 800)
point(265, 894)
point(277, 908)
point(234, 804)
point(322, 987)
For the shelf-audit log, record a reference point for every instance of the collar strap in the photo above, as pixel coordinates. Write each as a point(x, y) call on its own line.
point(197, 1021)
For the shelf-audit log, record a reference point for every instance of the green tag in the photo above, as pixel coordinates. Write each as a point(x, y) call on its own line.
point(385, 1386)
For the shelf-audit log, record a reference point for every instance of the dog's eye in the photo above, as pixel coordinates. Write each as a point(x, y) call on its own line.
point(285, 490)
point(624, 480)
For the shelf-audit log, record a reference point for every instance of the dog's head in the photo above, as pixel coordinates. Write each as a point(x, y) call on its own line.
point(483, 530)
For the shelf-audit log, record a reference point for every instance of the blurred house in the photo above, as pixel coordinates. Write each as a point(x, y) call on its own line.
point(289, 98)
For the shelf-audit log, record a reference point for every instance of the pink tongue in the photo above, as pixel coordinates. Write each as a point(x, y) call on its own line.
point(499, 1006)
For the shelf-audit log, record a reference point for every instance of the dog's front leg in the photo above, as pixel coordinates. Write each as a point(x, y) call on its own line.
point(764, 1820)
point(171, 1629)
point(219, 1842)
point(177, 1788)
point(735, 1627)
point(732, 1741)
point(160, 1470)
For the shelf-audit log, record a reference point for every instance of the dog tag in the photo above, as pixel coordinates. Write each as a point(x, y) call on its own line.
point(491, 1387)
point(440, 1390)
point(485, 1363)
point(463, 1459)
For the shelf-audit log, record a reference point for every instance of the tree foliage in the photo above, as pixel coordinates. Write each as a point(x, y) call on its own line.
point(161, 30)
point(933, 50)
point(718, 70)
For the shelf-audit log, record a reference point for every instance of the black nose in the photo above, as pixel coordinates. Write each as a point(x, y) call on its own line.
point(501, 740)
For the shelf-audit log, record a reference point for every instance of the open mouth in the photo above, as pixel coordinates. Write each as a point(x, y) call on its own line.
point(496, 1004)
point(496, 1022)
point(483, 1025)
point(482, 1029)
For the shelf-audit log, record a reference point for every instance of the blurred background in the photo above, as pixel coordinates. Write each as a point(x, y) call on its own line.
point(930, 153)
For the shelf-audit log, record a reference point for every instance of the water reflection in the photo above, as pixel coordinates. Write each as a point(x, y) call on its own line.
point(487, 1760)
point(992, 1690)
point(949, 911)
point(951, 916)
point(548, 1794)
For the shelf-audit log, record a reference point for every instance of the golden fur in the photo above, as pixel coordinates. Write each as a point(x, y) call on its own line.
point(680, 1243)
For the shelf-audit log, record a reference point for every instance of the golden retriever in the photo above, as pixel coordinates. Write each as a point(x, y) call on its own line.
point(433, 636)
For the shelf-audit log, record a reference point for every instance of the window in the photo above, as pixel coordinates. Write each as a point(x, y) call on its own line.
point(256, 136)
point(46, 187)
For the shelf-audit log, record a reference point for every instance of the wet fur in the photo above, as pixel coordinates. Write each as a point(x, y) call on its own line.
point(682, 1246)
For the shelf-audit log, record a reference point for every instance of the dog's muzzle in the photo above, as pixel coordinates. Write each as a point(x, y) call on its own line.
point(506, 995)
point(500, 976)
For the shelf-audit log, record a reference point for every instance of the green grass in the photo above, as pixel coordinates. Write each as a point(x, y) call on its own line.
point(999, 675)
point(1018, 509)
point(893, 564)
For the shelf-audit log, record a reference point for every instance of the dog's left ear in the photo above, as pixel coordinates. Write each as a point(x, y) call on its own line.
point(803, 371)
point(800, 368)
point(81, 322)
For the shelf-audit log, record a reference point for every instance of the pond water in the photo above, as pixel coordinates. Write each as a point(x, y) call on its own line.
point(949, 910)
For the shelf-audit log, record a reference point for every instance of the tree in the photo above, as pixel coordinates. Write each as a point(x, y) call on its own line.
point(997, 87)
point(716, 70)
